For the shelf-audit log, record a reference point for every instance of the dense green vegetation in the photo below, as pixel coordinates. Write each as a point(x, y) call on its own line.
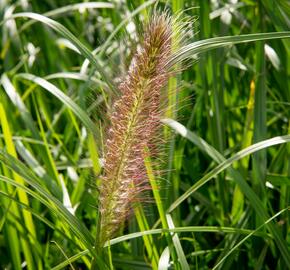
point(223, 199)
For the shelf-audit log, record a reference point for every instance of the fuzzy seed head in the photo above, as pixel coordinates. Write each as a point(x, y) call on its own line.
point(134, 122)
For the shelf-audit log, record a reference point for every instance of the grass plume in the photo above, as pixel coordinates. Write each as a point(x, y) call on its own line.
point(135, 120)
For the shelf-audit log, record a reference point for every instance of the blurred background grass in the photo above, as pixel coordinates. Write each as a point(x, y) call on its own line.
point(52, 100)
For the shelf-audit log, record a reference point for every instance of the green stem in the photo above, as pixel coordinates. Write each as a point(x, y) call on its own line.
point(159, 204)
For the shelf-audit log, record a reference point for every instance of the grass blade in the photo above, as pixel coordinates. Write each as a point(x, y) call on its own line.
point(213, 43)
point(67, 34)
point(64, 99)
point(245, 188)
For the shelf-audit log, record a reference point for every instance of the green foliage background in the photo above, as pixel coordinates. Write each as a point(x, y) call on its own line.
point(225, 208)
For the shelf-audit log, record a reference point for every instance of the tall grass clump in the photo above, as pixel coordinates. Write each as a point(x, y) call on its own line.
point(83, 157)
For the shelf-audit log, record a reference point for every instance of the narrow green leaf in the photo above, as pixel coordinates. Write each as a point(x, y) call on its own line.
point(248, 236)
point(46, 198)
point(196, 229)
point(148, 240)
point(175, 239)
point(82, 115)
point(164, 260)
point(67, 34)
point(17, 101)
point(212, 43)
point(245, 188)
